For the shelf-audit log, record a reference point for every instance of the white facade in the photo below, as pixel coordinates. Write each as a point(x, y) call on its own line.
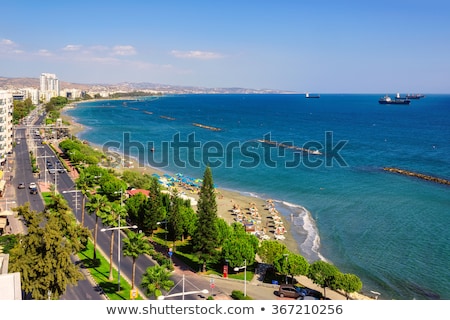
point(49, 86)
point(33, 94)
point(6, 126)
point(71, 94)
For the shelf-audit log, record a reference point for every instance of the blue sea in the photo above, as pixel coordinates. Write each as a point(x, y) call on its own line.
point(392, 231)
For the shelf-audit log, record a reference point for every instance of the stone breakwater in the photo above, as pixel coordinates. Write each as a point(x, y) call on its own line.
point(417, 175)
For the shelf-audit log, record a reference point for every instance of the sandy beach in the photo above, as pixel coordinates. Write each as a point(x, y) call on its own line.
point(229, 203)
point(252, 209)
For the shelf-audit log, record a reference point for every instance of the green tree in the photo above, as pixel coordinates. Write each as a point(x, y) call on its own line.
point(112, 187)
point(347, 282)
point(43, 255)
point(205, 238)
point(136, 180)
point(269, 251)
point(155, 279)
point(174, 217)
point(98, 204)
point(225, 231)
point(291, 264)
point(323, 274)
point(236, 251)
point(154, 210)
point(188, 221)
point(134, 245)
point(136, 209)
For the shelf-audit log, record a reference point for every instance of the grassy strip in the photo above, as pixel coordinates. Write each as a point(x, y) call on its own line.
point(99, 271)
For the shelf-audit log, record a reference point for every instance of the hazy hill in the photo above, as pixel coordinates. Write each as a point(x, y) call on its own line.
point(17, 83)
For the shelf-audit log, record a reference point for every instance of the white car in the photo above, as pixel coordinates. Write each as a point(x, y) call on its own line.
point(32, 185)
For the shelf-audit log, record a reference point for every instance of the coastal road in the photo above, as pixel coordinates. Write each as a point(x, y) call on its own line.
point(21, 171)
point(87, 289)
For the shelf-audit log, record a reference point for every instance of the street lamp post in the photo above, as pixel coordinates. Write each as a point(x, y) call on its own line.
point(45, 156)
point(76, 197)
point(286, 265)
point(245, 275)
point(165, 230)
point(118, 228)
point(118, 247)
point(183, 293)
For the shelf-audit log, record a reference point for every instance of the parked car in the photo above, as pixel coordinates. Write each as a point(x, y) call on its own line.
point(289, 291)
point(308, 298)
point(21, 186)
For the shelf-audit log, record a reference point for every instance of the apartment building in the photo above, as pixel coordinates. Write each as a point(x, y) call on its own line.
point(6, 126)
point(49, 86)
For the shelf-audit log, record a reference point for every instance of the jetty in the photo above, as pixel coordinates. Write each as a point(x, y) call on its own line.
point(292, 147)
point(206, 127)
point(167, 118)
point(417, 175)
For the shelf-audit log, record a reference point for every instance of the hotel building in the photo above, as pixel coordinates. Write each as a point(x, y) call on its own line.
point(49, 86)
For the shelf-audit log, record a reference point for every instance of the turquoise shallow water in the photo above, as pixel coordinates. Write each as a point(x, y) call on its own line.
point(392, 231)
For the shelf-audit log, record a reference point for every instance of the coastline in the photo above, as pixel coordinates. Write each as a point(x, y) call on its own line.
point(226, 200)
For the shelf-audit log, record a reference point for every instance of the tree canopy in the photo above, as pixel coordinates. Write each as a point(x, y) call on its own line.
point(205, 238)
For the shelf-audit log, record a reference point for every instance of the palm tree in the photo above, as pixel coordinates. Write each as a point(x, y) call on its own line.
point(111, 219)
point(133, 246)
point(156, 278)
point(82, 185)
point(98, 204)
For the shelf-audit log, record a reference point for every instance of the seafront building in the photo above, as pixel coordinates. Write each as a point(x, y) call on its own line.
point(6, 126)
point(49, 86)
point(6, 137)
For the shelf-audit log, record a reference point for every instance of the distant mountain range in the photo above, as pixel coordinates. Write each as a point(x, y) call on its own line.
point(18, 83)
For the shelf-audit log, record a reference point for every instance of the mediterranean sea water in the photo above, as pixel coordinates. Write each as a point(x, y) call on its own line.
point(392, 231)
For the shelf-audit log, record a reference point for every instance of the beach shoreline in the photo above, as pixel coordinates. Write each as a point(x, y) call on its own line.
point(226, 200)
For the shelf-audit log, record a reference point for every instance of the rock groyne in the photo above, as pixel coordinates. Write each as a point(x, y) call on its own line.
point(417, 175)
point(206, 127)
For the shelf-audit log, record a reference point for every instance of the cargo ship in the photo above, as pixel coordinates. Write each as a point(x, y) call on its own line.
point(415, 96)
point(310, 96)
point(388, 100)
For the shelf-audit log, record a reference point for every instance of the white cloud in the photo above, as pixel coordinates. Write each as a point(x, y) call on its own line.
point(44, 53)
point(72, 47)
point(8, 46)
point(124, 51)
point(195, 54)
point(6, 42)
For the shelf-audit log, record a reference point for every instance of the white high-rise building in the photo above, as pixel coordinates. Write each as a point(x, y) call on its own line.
point(49, 86)
point(6, 126)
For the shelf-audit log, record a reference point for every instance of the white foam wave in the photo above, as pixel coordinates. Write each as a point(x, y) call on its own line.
point(305, 226)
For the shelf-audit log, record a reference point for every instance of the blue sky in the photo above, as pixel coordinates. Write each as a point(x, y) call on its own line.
point(327, 46)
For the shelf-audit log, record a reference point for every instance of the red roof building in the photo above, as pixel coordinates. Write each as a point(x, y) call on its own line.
point(132, 192)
